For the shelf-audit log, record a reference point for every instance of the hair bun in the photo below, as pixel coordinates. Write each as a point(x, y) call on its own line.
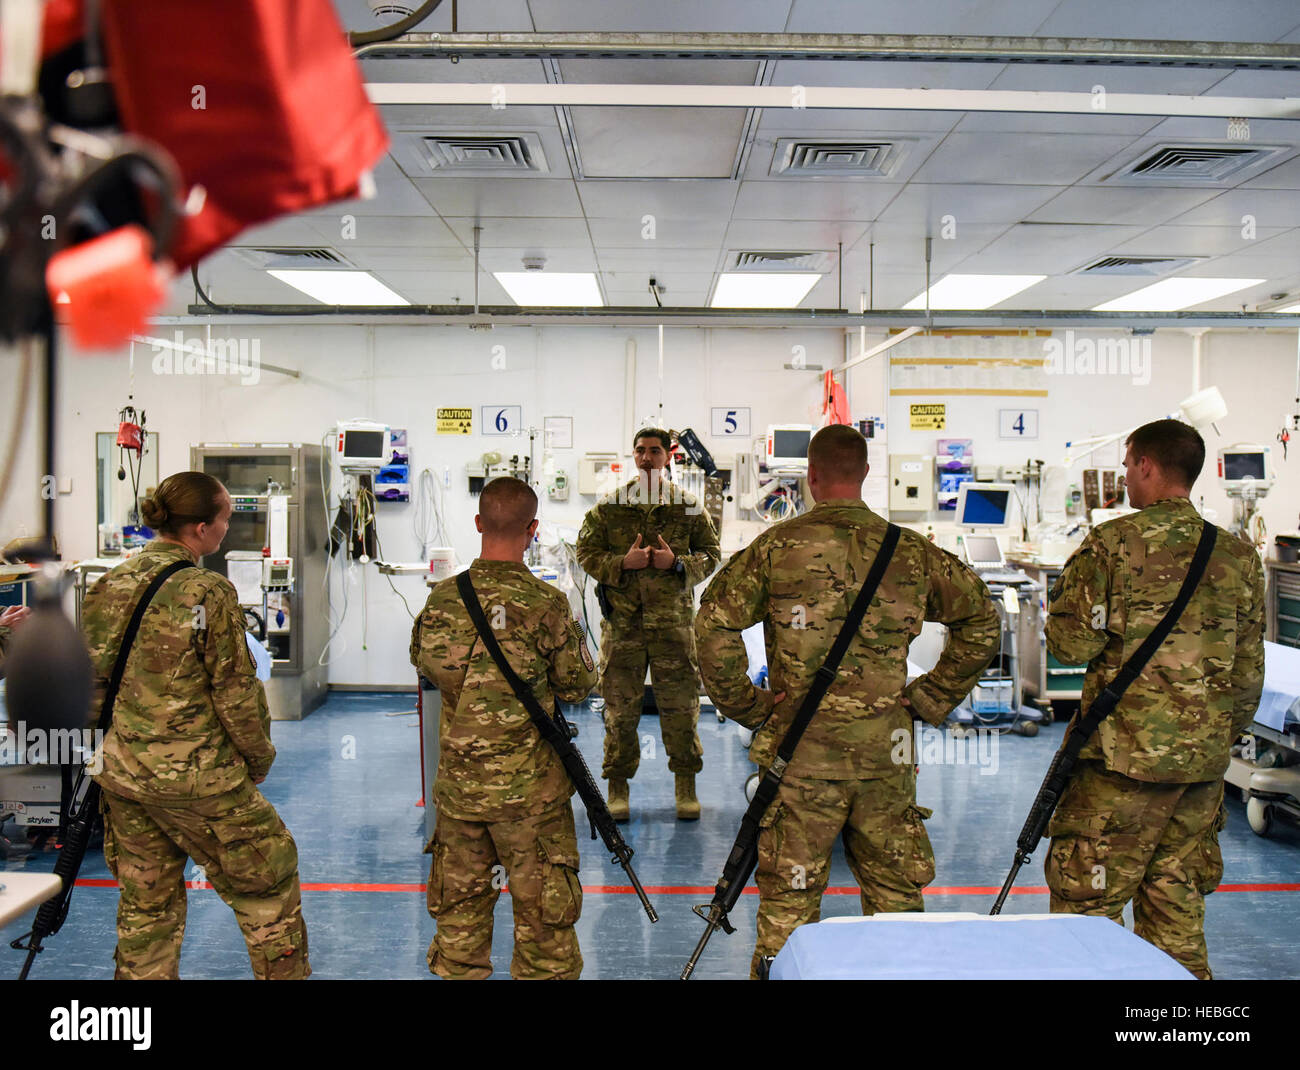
point(154, 512)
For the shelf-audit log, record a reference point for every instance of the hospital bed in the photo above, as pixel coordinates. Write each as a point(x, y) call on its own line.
point(963, 946)
point(1267, 768)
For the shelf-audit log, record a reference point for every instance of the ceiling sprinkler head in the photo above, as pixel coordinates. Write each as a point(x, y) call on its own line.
point(389, 11)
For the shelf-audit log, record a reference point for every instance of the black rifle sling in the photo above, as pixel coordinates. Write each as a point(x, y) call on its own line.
point(1110, 695)
point(744, 852)
point(545, 724)
point(128, 639)
point(826, 674)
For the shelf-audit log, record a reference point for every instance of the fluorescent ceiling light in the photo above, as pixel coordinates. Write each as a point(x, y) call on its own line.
point(766, 289)
point(341, 287)
point(973, 291)
point(1169, 295)
point(551, 289)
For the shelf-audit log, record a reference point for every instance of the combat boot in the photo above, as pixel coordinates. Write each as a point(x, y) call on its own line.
point(618, 806)
point(688, 806)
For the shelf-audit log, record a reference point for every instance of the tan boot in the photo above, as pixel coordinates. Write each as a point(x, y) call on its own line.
point(688, 806)
point(618, 807)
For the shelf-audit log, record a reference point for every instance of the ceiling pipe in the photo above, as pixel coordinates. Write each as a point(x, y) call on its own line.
point(861, 98)
point(804, 319)
point(910, 48)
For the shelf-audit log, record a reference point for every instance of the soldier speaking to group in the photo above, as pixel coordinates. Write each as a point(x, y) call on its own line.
point(647, 546)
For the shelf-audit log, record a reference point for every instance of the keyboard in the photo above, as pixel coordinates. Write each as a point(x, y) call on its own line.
point(999, 576)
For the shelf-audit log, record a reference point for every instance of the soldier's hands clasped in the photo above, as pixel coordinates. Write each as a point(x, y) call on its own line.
point(638, 557)
point(661, 556)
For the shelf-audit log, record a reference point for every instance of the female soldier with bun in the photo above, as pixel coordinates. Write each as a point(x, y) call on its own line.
point(190, 737)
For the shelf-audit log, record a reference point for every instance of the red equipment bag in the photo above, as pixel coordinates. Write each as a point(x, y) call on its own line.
point(258, 101)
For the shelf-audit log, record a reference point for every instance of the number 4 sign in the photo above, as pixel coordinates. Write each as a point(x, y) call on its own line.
point(1017, 423)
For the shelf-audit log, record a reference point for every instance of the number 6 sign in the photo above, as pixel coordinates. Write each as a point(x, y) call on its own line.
point(502, 419)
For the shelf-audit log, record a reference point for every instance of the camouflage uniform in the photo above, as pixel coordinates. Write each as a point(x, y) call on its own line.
point(502, 793)
point(190, 731)
point(799, 579)
point(1140, 820)
point(651, 619)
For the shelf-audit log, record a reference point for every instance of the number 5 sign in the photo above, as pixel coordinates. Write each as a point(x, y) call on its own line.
point(1017, 423)
point(730, 422)
point(502, 419)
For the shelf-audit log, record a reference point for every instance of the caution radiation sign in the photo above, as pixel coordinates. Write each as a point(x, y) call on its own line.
point(929, 417)
point(460, 421)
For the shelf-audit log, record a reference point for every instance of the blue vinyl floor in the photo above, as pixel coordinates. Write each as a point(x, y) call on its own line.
point(360, 833)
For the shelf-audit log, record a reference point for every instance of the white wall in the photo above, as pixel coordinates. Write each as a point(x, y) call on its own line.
point(400, 375)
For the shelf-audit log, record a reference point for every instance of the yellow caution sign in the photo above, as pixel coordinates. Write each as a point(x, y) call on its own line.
point(461, 421)
point(928, 417)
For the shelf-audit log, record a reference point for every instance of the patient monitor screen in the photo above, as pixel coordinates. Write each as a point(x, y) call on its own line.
point(982, 549)
point(786, 444)
point(984, 507)
point(358, 444)
point(1243, 465)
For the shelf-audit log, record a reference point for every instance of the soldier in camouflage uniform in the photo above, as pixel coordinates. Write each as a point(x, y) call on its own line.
point(9, 620)
point(799, 579)
point(648, 545)
point(1140, 819)
point(502, 793)
point(190, 739)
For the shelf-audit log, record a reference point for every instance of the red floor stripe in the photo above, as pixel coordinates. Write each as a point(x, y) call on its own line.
point(684, 889)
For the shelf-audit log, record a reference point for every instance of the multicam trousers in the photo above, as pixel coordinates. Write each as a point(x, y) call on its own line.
point(536, 860)
point(885, 842)
point(1115, 839)
point(625, 651)
point(246, 853)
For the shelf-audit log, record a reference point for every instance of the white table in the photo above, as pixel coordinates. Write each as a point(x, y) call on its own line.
point(23, 891)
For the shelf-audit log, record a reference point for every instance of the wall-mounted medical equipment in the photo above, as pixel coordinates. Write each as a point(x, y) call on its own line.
point(363, 445)
point(787, 447)
point(984, 505)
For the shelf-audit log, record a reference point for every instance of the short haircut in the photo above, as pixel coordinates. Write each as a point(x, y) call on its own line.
point(839, 453)
point(654, 432)
point(507, 506)
point(1174, 447)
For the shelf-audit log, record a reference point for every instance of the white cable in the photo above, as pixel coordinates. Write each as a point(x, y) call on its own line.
point(327, 459)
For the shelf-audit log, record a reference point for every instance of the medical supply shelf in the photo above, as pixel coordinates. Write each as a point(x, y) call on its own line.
point(1283, 623)
point(1043, 678)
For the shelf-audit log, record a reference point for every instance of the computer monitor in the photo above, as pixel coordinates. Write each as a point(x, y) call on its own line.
point(984, 505)
point(1245, 463)
point(983, 551)
point(364, 446)
point(787, 445)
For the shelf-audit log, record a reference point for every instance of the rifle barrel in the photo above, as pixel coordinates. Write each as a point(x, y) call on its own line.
point(691, 963)
point(650, 911)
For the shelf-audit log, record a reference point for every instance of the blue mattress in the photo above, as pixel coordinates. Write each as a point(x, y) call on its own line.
point(972, 947)
point(1279, 705)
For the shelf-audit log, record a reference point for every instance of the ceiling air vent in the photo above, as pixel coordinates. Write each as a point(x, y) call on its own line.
point(1146, 266)
point(481, 154)
point(267, 259)
point(800, 158)
point(779, 261)
point(1199, 165)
